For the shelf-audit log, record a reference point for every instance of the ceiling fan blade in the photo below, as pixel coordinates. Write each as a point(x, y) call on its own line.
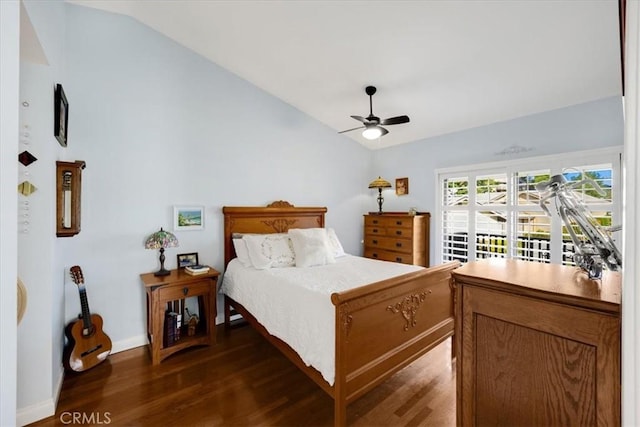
point(394, 120)
point(349, 130)
point(360, 119)
point(384, 131)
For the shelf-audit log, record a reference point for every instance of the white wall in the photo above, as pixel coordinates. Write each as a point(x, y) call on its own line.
point(9, 83)
point(581, 127)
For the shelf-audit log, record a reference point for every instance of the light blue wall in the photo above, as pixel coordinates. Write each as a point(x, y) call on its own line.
point(586, 126)
point(159, 126)
point(40, 334)
point(581, 127)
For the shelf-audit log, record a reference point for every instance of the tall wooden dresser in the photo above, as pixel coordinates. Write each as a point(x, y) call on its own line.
point(397, 237)
point(536, 344)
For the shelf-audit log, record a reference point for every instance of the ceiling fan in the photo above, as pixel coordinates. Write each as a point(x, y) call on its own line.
point(373, 125)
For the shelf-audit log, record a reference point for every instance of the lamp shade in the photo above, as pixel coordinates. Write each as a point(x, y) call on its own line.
point(161, 239)
point(379, 183)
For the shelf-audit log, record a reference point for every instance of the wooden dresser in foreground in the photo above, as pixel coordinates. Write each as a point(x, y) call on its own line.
point(397, 237)
point(537, 344)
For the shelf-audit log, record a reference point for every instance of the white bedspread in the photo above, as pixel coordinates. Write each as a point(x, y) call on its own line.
point(294, 304)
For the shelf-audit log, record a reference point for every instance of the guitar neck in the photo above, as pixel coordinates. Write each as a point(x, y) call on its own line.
point(84, 303)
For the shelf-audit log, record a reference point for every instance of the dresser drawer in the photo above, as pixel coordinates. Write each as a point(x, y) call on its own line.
point(177, 292)
point(389, 231)
point(388, 221)
point(375, 231)
point(383, 255)
point(389, 243)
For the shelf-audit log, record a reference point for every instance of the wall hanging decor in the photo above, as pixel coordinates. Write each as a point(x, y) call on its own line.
point(188, 218)
point(22, 299)
point(68, 191)
point(26, 188)
point(26, 158)
point(402, 186)
point(61, 116)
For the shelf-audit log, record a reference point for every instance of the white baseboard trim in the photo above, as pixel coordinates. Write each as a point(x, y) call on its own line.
point(129, 343)
point(35, 412)
point(44, 409)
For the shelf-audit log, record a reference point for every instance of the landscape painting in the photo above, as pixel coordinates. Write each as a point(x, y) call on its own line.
point(188, 218)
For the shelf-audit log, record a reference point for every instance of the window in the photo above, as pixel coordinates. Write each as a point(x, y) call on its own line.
point(494, 210)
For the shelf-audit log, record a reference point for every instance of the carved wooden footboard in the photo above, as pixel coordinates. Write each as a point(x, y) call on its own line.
point(380, 328)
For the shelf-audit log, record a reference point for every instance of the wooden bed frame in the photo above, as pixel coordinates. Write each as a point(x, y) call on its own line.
point(380, 328)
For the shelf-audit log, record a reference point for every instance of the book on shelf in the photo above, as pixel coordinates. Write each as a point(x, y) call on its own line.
point(178, 327)
point(196, 269)
point(171, 331)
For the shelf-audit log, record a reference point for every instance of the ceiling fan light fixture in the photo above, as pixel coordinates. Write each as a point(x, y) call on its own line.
point(372, 132)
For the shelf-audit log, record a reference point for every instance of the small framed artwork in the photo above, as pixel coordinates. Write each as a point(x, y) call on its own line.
point(188, 218)
point(402, 186)
point(60, 115)
point(186, 260)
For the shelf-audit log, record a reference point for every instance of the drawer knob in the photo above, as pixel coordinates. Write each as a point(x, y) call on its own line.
point(398, 259)
point(375, 242)
point(399, 232)
point(398, 245)
point(374, 255)
point(398, 222)
point(185, 290)
point(375, 221)
point(375, 230)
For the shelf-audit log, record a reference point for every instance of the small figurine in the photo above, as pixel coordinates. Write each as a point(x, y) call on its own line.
point(192, 323)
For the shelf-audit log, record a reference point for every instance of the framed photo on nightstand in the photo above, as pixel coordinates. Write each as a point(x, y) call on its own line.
point(186, 260)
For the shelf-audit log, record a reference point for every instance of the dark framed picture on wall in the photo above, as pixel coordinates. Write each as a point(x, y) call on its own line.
point(60, 115)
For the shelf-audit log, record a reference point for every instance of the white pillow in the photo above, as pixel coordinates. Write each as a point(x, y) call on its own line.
point(270, 250)
point(242, 253)
point(311, 246)
point(334, 243)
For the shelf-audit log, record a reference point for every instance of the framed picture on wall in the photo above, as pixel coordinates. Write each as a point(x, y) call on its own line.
point(402, 186)
point(188, 218)
point(60, 115)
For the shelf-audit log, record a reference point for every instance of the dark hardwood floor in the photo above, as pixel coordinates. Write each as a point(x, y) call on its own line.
point(244, 381)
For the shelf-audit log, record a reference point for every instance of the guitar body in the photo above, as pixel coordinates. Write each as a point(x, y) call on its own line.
point(88, 344)
point(86, 351)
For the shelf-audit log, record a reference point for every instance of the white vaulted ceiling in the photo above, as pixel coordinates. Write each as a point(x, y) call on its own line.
point(448, 65)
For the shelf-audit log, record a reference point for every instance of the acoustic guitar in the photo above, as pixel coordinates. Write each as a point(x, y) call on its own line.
point(88, 344)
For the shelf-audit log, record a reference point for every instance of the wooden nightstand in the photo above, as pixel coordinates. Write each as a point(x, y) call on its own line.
point(168, 294)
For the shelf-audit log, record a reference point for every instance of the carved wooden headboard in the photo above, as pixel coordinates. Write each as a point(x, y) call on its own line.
point(277, 217)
